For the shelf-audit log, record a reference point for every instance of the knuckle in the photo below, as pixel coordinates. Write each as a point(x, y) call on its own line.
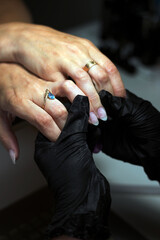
point(61, 112)
point(119, 91)
point(81, 75)
point(46, 70)
point(43, 121)
point(68, 85)
point(87, 42)
point(94, 98)
point(112, 68)
point(73, 48)
point(102, 76)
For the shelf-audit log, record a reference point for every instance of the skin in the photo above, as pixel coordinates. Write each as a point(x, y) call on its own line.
point(25, 100)
point(57, 56)
point(34, 58)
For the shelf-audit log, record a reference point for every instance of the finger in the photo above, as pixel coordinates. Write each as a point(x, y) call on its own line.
point(84, 82)
point(39, 118)
point(100, 79)
point(71, 90)
point(8, 138)
point(54, 107)
point(57, 111)
point(110, 68)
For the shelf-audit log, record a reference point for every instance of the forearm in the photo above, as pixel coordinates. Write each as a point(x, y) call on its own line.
point(14, 11)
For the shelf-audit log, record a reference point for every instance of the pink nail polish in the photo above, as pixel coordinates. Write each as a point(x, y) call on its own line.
point(93, 118)
point(102, 114)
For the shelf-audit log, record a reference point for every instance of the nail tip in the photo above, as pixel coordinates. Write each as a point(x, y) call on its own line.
point(14, 162)
point(12, 156)
point(102, 114)
point(96, 124)
point(94, 119)
point(104, 118)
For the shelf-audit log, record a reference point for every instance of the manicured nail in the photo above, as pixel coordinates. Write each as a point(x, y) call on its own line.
point(93, 119)
point(102, 114)
point(12, 156)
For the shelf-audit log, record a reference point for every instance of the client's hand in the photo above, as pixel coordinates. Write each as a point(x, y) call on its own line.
point(81, 192)
point(22, 95)
point(53, 56)
point(133, 132)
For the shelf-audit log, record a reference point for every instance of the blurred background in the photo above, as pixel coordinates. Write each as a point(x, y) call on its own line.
point(128, 32)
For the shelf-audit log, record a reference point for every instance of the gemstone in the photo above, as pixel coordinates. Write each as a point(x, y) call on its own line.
point(51, 96)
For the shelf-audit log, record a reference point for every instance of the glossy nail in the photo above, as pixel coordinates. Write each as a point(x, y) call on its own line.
point(12, 156)
point(93, 119)
point(102, 114)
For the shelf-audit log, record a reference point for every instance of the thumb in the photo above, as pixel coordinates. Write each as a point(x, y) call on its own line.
point(7, 137)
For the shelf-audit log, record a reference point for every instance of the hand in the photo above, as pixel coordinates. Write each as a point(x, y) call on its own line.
point(22, 95)
point(53, 56)
point(133, 132)
point(82, 195)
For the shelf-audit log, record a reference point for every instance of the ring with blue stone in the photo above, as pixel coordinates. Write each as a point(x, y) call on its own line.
point(48, 95)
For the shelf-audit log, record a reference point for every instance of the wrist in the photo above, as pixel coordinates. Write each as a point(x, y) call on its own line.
point(9, 35)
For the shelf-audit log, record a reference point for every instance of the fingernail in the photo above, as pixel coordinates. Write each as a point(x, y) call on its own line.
point(12, 156)
point(102, 114)
point(93, 119)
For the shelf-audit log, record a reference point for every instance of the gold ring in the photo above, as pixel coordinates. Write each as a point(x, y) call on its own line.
point(89, 65)
point(48, 95)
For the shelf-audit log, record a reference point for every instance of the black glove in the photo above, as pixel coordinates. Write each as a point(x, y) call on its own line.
point(82, 195)
point(132, 132)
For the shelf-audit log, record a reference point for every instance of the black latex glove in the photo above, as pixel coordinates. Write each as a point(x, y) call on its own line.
point(133, 132)
point(81, 192)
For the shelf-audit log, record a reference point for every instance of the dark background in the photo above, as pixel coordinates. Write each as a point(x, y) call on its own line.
point(61, 14)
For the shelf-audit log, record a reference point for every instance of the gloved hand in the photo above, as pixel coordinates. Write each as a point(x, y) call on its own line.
point(132, 132)
point(82, 195)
